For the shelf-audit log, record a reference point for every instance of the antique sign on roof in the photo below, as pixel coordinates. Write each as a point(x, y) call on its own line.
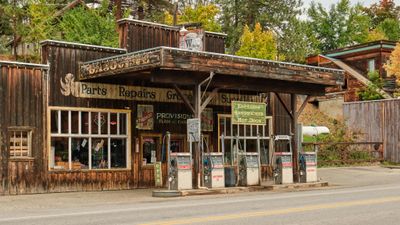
point(163, 59)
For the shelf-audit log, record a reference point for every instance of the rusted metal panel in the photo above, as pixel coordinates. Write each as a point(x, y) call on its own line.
point(376, 121)
point(23, 90)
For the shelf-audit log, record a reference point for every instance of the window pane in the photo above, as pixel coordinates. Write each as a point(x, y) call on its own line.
point(150, 150)
point(54, 121)
point(177, 145)
point(113, 123)
point(64, 122)
point(74, 122)
point(95, 122)
point(264, 145)
point(104, 123)
point(85, 122)
point(118, 153)
point(122, 123)
point(99, 153)
point(251, 145)
point(59, 153)
point(80, 153)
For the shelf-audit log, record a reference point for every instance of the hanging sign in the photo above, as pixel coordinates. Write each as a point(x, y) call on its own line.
point(248, 113)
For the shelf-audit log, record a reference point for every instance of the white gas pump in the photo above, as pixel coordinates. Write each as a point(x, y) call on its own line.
point(179, 168)
point(181, 171)
point(308, 167)
point(283, 163)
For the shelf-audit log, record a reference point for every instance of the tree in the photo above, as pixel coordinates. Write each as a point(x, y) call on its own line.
point(204, 14)
point(392, 66)
point(391, 29)
point(385, 9)
point(90, 26)
point(296, 43)
point(342, 25)
point(41, 22)
point(376, 35)
point(371, 92)
point(271, 14)
point(257, 43)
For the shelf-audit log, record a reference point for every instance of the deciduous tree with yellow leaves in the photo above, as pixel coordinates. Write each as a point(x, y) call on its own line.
point(257, 43)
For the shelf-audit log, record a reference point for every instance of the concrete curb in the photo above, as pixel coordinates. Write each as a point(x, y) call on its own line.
point(232, 190)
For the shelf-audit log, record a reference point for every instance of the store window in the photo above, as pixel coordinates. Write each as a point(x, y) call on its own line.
point(20, 144)
point(151, 149)
point(178, 143)
point(89, 139)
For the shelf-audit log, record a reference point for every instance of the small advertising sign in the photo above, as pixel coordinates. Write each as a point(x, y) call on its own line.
point(248, 113)
point(193, 130)
point(192, 40)
point(145, 117)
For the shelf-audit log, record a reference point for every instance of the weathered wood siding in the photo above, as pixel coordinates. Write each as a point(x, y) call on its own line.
point(136, 35)
point(376, 121)
point(22, 104)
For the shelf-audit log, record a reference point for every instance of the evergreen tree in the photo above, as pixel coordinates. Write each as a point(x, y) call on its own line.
point(90, 26)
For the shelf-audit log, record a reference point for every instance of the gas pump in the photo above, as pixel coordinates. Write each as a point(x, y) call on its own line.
point(179, 169)
point(308, 167)
point(249, 167)
point(213, 169)
point(283, 165)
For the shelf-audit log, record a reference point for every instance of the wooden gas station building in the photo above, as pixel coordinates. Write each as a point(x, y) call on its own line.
point(94, 118)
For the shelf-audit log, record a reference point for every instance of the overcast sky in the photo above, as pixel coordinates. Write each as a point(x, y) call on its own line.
point(327, 3)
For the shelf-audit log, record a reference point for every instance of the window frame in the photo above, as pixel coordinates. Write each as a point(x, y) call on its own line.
point(29, 131)
point(108, 136)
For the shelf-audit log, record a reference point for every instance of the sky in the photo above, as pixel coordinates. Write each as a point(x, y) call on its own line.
point(327, 3)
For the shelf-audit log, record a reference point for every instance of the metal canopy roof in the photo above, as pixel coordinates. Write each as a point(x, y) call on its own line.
point(185, 67)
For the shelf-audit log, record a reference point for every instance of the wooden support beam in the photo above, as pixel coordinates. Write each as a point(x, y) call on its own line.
point(184, 98)
point(303, 105)
point(295, 156)
point(284, 105)
point(209, 98)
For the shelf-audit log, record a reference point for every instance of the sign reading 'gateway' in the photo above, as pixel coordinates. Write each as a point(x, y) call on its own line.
point(111, 91)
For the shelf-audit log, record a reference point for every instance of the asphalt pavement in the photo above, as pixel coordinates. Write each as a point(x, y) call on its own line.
point(361, 195)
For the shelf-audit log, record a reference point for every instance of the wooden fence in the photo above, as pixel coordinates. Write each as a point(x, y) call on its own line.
point(376, 121)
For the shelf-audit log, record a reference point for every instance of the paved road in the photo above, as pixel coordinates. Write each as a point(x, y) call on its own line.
point(358, 204)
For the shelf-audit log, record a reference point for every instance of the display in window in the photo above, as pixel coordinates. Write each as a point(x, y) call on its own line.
point(113, 123)
point(99, 153)
point(150, 150)
point(145, 117)
point(118, 153)
point(59, 153)
point(80, 153)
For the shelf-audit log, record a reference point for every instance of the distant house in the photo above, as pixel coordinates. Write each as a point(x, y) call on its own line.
point(357, 61)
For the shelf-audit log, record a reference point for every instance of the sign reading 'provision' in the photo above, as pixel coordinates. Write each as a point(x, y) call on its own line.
point(248, 113)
